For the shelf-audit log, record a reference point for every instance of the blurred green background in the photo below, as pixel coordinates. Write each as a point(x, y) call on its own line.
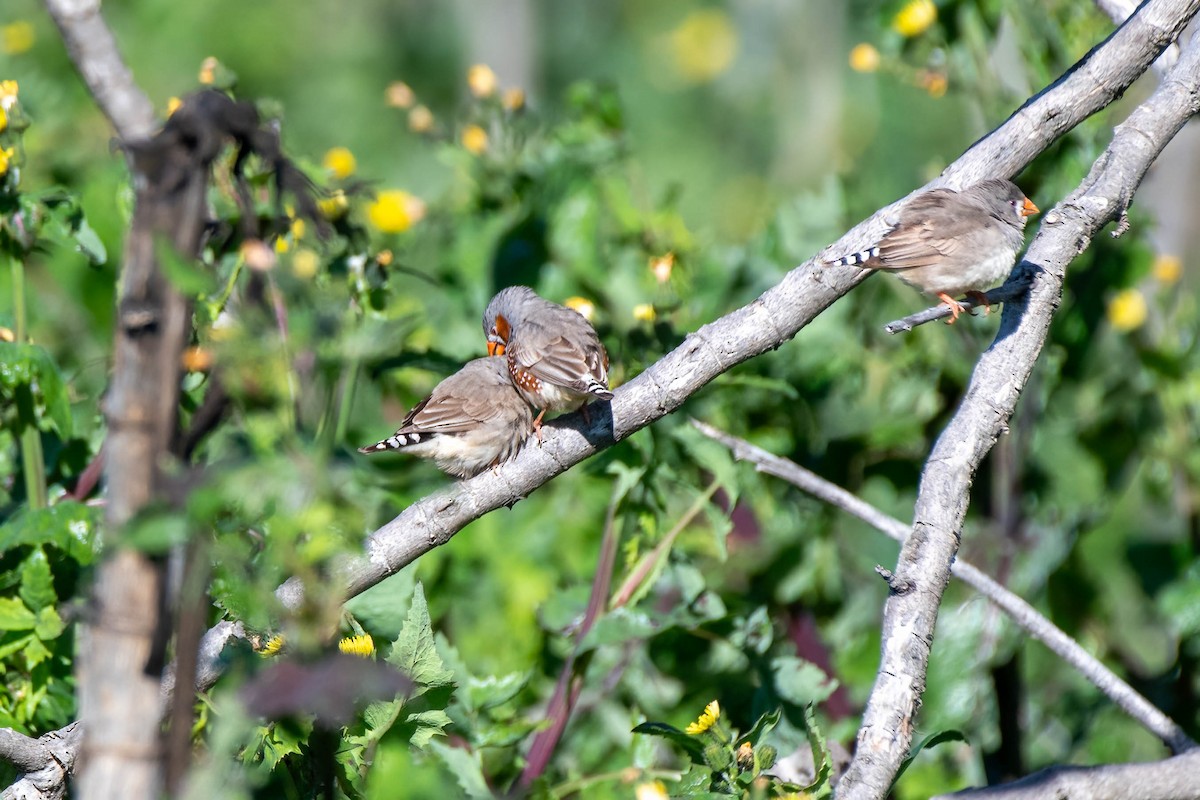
point(722, 143)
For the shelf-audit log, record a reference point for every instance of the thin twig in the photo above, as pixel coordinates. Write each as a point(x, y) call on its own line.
point(1015, 287)
point(1024, 615)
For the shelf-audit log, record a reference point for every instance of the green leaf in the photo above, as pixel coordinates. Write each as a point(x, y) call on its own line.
point(429, 724)
point(89, 243)
point(12, 642)
point(29, 367)
point(37, 582)
point(820, 753)
point(35, 652)
point(801, 682)
point(14, 616)
point(155, 532)
point(464, 765)
point(481, 693)
point(932, 740)
point(691, 745)
point(187, 275)
point(49, 624)
point(762, 726)
point(68, 525)
point(415, 651)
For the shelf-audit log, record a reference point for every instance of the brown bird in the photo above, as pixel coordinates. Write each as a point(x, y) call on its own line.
point(473, 420)
point(948, 243)
point(554, 356)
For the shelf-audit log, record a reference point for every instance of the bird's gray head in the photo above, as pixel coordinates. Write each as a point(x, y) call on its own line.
point(1009, 202)
point(505, 312)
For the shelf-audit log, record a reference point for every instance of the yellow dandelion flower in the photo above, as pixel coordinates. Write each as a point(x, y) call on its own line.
point(474, 139)
point(6, 334)
point(16, 38)
point(272, 647)
point(1127, 310)
point(208, 70)
point(400, 95)
point(299, 226)
point(935, 83)
point(662, 267)
point(654, 790)
point(340, 162)
point(712, 712)
point(5, 158)
point(915, 18)
point(362, 646)
point(8, 94)
point(481, 80)
point(334, 206)
point(584, 306)
point(305, 264)
point(644, 312)
point(864, 58)
point(173, 104)
point(513, 99)
point(1168, 269)
point(197, 359)
point(3, 120)
point(704, 45)
point(395, 211)
point(420, 120)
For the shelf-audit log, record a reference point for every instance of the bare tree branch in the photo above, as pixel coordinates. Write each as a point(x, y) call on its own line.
point(1024, 615)
point(45, 762)
point(94, 52)
point(1016, 286)
point(769, 321)
point(1175, 778)
point(925, 558)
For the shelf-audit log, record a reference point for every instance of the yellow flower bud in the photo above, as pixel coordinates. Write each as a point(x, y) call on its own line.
point(395, 211)
point(481, 80)
point(208, 70)
point(644, 312)
point(16, 38)
point(334, 206)
point(1168, 269)
point(400, 95)
point(662, 266)
point(864, 58)
point(420, 120)
point(474, 139)
point(1127, 310)
point(584, 306)
point(513, 99)
point(340, 162)
point(915, 18)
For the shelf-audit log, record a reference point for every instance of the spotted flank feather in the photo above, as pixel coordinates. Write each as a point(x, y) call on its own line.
point(855, 259)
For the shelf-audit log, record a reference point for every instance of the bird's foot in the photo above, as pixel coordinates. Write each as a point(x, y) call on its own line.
point(980, 299)
point(955, 307)
point(537, 427)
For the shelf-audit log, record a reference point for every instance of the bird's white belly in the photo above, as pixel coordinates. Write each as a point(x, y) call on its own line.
point(977, 276)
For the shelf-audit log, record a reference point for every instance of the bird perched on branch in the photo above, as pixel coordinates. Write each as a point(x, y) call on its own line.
point(472, 420)
point(947, 243)
point(555, 358)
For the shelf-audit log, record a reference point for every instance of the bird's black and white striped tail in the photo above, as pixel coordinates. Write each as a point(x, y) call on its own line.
point(855, 259)
point(598, 389)
point(397, 441)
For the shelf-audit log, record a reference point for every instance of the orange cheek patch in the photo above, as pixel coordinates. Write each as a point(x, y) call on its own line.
point(502, 327)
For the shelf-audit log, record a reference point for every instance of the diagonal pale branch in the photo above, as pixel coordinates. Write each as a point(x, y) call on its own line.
point(925, 558)
point(769, 321)
point(94, 52)
point(1024, 615)
point(1169, 779)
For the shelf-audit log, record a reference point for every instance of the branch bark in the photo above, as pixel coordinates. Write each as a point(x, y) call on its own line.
point(94, 52)
point(1022, 613)
point(45, 762)
point(1170, 779)
point(769, 321)
point(924, 564)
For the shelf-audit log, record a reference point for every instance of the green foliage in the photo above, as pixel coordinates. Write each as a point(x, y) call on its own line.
point(727, 583)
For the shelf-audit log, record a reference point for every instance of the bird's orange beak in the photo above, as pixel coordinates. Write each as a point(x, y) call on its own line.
point(1029, 209)
point(495, 349)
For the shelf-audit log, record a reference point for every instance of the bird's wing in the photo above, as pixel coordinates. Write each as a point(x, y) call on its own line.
point(933, 227)
point(557, 360)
